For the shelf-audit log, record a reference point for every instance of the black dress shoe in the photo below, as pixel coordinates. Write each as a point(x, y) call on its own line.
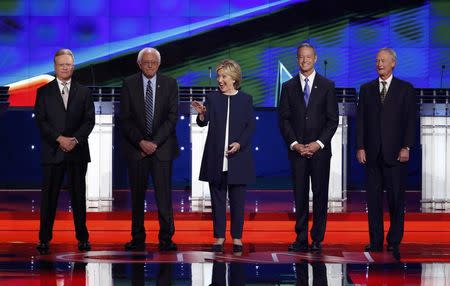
point(396, 254)
point(43, 247)
point(84, 246)
point(134, 246)
point(298, 247)
point(167, 246)
point(217, 248)
point(392, 247)
point(316, 246)
point(373, 248)
point(237, 247)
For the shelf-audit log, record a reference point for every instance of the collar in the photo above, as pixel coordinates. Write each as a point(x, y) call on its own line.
point(146, 79)
point(311, 77)
point(388, 80)
point(60, 82)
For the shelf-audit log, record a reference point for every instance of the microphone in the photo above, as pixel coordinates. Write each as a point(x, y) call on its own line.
point(442, 73)
point(325, 62)
point(210, 75)
point(92, 75)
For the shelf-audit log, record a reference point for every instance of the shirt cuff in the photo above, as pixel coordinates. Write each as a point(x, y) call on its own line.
point(292, 145)
point(320, 144)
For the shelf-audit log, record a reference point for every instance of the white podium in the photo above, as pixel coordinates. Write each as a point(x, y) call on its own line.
point(201, 274)
point(200, 196)
point(99, 174)
point(337, 185)
point(435, 140)
point(99, 274)
point(435, 274)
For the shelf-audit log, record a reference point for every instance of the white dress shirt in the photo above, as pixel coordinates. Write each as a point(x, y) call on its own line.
point(388, 83)
point(227, 129)
point(61, 86)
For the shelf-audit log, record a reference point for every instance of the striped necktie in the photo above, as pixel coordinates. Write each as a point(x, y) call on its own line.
point(149, 108)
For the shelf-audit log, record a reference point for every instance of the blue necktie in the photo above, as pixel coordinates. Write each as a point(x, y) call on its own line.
point(306, 91)
point(148, 108)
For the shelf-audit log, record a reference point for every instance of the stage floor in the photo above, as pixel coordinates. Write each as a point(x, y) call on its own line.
point(262, 264)
point(269, 201)
point(424, 257)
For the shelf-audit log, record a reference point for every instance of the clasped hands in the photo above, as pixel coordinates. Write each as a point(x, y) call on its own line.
point(306, 150)
point(66, 144)
point(147, 147)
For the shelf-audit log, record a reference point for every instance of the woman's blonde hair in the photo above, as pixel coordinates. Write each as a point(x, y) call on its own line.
point(233, 70)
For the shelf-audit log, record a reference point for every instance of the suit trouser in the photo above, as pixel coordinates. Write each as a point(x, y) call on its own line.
point(164, 277)
point(235, 274)
point(236, 194)
point(319, 271)
point(318, 169)
point(53, 178)
point(392, 178)
point(161, 172)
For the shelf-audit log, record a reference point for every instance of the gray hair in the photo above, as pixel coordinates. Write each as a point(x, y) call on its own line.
point(390, 51)
point(148, 50)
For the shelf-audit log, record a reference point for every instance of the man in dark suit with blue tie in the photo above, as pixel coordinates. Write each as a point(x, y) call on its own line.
point(65, 117)
point(148, 117)
point(386, 122)
point(308, 118)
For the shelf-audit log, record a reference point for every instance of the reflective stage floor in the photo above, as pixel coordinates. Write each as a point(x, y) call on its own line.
point(195, 265)
point(424, 257)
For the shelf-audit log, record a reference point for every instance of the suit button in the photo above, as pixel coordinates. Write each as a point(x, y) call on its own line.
point(306, 117)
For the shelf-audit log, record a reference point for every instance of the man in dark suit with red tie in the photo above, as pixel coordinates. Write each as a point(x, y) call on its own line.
point(308, 118)
point(148, 117)
point(65, 116)
point(386, 120)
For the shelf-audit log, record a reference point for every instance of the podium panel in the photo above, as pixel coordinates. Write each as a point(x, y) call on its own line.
point(435, 140)
point(200, 190)
point(99, 174)
point(338, 166)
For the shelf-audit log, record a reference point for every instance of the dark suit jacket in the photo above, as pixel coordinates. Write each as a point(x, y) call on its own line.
point(132, 117)
point(241, 168)
point(317, 121)
point(54, 120)
point(387, 127)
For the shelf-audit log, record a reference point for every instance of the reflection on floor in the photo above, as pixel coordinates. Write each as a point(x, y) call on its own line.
point(424, 257)
point(195, 265)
